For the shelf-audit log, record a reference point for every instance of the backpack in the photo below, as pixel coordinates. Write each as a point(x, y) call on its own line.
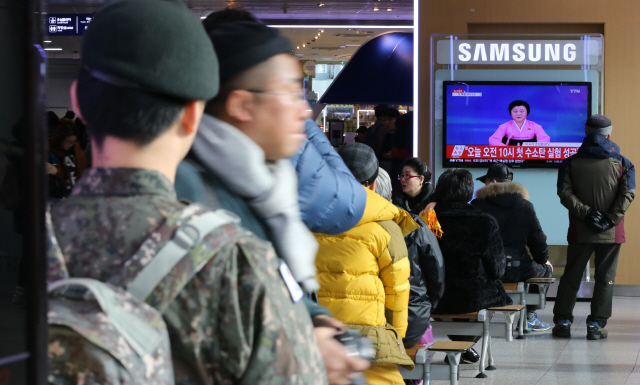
point(100, 333)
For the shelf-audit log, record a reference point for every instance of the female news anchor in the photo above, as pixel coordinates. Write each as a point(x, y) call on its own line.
point(519, 129)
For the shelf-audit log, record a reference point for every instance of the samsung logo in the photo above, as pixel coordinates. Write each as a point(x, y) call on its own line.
point(518, 52)
point(553, 52)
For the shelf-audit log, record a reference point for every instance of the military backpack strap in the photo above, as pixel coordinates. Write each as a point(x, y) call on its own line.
point(56, 266)
point(164, 263)
point(186, 236)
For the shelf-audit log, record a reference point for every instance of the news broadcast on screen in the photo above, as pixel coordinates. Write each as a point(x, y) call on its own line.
point(524, 124)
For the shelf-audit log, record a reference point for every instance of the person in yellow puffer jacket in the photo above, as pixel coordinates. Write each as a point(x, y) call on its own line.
point(364, 272)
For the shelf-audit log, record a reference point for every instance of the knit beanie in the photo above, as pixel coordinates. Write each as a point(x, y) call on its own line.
point(598, 124)
point(244, 44)
point(362, 162)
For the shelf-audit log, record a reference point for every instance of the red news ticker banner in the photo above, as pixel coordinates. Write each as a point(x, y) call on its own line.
point(509, 152)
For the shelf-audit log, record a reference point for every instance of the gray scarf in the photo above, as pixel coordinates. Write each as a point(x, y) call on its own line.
point(272, 193)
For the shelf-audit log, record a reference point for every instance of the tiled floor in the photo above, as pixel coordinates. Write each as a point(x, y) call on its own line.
point(542, 359)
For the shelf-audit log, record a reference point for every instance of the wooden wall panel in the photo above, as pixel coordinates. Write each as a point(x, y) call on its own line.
point(616, 19)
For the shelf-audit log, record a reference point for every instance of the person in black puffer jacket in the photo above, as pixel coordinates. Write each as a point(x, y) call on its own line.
point(472, 249)
point(427, 270)
point(426, 280)
point(508, 202)
point(416, 186)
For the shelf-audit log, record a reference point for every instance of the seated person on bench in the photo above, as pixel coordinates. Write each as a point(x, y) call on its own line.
point(427, 270)
point(472, 249)
point(508, 202)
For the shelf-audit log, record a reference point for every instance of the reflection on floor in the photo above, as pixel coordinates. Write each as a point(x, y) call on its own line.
point(543, 359)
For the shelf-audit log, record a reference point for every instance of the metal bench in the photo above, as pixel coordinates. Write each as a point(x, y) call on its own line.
point(478, 324)
point(426, 370)
point(519, 293)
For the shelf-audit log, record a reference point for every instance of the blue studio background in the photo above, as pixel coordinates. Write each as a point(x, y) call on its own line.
point(472, 120)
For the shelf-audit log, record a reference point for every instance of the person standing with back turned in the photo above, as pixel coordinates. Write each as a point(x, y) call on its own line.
point(596, 185)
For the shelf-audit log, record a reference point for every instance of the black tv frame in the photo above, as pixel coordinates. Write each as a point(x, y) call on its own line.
point(529, 163)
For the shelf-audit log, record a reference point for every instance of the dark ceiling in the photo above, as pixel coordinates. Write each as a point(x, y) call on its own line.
point(275, 9)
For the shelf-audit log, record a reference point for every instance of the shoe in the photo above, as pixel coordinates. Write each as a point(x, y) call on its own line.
point(536, 325)
point(595, 332)
point(562, 329)
point(468, 357)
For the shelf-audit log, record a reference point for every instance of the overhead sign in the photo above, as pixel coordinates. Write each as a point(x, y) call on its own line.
point(548, 52)
point(68, 24)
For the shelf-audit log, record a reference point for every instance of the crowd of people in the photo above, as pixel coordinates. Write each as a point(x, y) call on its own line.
point(320, 242)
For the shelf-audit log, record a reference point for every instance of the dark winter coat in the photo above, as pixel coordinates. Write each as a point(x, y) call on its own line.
point(415, 204)
point(519, 225)
point(473, 259)
point(426, 280)
point(596, 177)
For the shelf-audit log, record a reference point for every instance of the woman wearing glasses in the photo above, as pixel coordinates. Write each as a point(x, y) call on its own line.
point(416, 186)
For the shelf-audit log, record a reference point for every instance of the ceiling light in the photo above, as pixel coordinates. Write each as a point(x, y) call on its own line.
point(389, 9)
point(322, 30)
point(47, 41)
point(315, 26)
point(53, 49)
point(375, 9)
point(298, 47)
point(203, 17)
point(320, 4)
point(304, 45)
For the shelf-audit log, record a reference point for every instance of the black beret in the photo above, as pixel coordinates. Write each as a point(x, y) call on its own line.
point(244, 44)
point(157, 46)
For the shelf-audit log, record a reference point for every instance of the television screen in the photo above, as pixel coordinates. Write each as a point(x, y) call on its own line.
point(523, 124)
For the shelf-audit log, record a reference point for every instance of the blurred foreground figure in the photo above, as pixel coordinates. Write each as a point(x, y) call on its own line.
point(239, 160)
point(231, 315)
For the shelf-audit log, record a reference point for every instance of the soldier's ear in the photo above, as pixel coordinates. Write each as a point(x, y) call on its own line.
point(192, 115)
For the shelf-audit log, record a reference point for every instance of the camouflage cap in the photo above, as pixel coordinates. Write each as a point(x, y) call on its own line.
point(157, 46)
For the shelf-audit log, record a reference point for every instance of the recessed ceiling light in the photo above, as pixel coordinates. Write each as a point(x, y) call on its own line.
point(389, 9)
point(47, 41)
point(53, 49)
point(298, 47)
point(304, 45)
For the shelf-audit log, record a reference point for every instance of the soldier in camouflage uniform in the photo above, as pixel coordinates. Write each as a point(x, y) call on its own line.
point(235, 322)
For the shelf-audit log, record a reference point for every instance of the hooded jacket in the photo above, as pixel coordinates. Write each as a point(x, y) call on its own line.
point(331, 199)
point(509, 204)
point(596, 177)
point(427, 280)
point(474, 259)
point(364, 277)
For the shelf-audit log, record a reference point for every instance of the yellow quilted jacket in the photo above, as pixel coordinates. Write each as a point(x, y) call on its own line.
point(364, 276)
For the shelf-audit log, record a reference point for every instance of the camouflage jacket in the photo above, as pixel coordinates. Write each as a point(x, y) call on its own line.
point(234, 322)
